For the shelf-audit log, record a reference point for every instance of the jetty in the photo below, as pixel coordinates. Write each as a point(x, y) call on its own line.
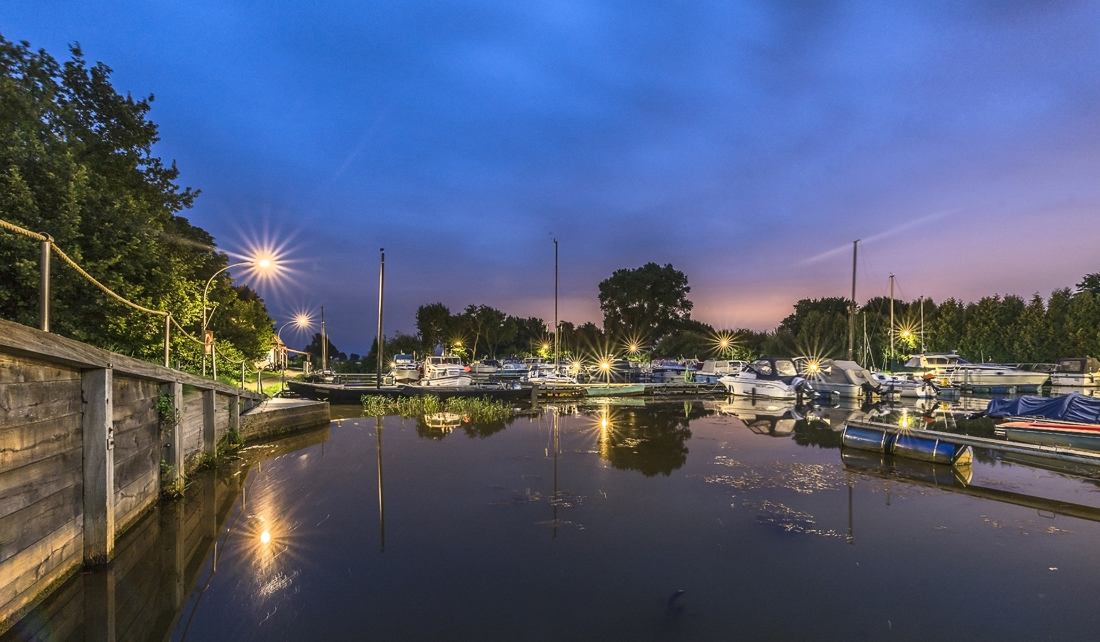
point(89, 440)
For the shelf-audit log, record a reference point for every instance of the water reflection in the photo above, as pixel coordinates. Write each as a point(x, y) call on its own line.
point(650, 439)
point(145, 592)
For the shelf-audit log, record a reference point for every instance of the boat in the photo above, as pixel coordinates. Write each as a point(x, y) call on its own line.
point(714, 369)
point(445, 371)
point(906, 384)
point(1077, 372)
point(665, 371)
point(950, 369)
point(512, 368)
point(845, 379)
point(1071, 421)
point(405, 369)
point(768, 377)
point(485, 367)
point(613, 390)
point(547, 374)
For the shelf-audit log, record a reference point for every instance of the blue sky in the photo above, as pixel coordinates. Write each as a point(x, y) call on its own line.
point(746, 143)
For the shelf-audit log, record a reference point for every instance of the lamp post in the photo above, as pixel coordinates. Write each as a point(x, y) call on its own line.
point(261, 263)
point(302, 321)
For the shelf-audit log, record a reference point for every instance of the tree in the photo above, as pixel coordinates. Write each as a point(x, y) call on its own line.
point(76, 162)
point(314, 350)
point(1091, 283)
point(647, 302)
point(433, 321)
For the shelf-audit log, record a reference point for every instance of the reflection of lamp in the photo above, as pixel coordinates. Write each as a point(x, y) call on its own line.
point(265, 537)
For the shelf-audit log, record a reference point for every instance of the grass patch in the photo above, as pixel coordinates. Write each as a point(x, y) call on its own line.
point(473, 409)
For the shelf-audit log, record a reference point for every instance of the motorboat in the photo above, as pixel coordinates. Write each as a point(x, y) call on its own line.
point(485, 367)
point(950, 369)
point(666, 371)
point(906, 384)
point(513, 368)
point(1078, 372)
point(714, 369)
point(405, 369)
point(845, 379)
point(768, 377)
point(445, 371)
point(549, 374)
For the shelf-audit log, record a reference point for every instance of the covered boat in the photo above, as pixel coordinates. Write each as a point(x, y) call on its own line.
point(1071, 420)
point(846, 379)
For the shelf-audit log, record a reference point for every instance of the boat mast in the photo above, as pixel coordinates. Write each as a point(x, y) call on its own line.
point(381, 289)
point(922, 324)
point(891, 364)
point(556, 328)
point(852, 307)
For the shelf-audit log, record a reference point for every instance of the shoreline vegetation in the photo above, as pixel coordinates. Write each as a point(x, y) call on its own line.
point(478, 410)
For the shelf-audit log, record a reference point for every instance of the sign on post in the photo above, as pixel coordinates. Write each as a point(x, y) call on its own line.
point(208, 343)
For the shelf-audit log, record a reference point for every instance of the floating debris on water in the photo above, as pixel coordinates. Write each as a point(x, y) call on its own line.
point(801, 478)
point(787, 518)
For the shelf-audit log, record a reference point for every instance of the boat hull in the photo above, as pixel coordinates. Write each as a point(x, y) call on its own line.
point(1091, 380)
point(1039, 433)
point(755, 388)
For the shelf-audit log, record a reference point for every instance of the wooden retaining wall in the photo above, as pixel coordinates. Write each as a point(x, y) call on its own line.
point(81, 451)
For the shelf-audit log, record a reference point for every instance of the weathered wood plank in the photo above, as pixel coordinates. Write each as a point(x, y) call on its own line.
point(99, 466)
point(23, 486)
point(136, 497)
point(129, 390)
point(25, 574)
point(23, 528)
point(37, 400)
point(143, 461)
point(137, 438)
point(15, 369)
point(59, 616)
point(21, 445)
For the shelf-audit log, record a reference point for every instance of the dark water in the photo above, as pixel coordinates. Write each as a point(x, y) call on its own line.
point(669, 522)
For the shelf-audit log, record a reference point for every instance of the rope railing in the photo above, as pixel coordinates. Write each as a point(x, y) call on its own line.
point(169, 319)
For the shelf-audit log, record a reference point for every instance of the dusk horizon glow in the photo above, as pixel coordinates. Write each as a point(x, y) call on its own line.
point(747, 144)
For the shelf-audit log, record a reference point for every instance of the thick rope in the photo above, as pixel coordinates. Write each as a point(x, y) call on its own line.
point(80, 270)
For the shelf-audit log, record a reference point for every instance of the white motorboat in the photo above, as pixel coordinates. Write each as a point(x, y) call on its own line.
point(846, 379)
point(405, 369)
point(485, 367)
point(548, 374)
point(950, 369)
point(1083, 372)
point(906, 385)
point(513, 368)
point(445, 371)
point(767, 377)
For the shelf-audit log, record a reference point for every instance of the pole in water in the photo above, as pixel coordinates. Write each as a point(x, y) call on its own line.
point(44, 285)
point(381, 291)
point(852, 308)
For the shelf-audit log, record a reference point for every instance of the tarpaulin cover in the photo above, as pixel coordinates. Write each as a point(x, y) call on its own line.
point(1072, 407)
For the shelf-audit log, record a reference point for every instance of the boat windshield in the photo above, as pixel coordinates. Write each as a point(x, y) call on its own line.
point(785, 368)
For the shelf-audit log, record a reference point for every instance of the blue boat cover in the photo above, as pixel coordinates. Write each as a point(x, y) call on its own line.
point(1072, 407)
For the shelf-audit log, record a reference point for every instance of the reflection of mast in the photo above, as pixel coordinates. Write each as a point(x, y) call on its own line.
point(381, 496)
point(554, 498)
point(851, 532)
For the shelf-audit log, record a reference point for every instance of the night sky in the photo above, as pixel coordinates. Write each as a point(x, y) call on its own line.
point(746, 143)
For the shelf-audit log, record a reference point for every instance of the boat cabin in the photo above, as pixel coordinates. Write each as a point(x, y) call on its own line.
point(1078, 365)
point(768, 368)
point(924, 361)
point(443, 361)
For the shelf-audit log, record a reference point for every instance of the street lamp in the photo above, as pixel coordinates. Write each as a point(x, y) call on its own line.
point(260, 263)
point(302, 322)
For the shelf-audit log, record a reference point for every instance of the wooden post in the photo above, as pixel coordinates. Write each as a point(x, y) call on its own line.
point(235, 413)
point(174, 456)
point(209, 436)
point(99, 466)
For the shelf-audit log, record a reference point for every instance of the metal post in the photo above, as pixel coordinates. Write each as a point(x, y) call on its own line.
point(324, 343)
point(852, 308)
point(167, 336)
point(557, 329)
point(381, 340)
point(891, 365)
point(44, 285)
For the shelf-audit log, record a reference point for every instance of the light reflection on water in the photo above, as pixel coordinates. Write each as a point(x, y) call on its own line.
point(712, 520)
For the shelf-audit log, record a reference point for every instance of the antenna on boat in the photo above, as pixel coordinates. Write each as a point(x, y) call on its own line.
point(852, 308)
